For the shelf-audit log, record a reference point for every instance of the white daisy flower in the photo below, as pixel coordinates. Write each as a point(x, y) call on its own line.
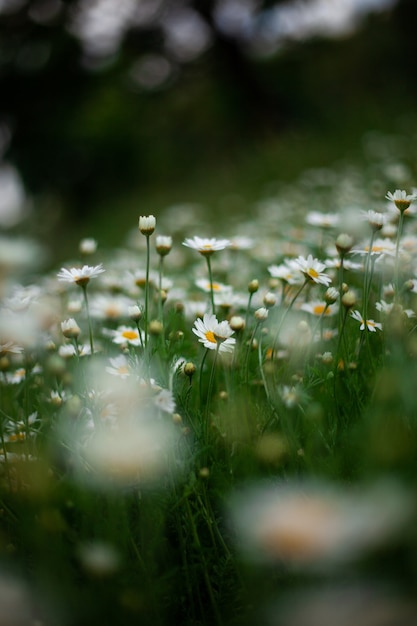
point(165, 401)
point(16, 377)
point(312, 269)
point(207, 286)
point(284, 272)
point(119, 367)
point(125, 335)
point(401, 199)
point(241, 243)
point(206, 246)
point(10, 347)
point(335, 263)
point(214, 335)
point(380, 247)
point(67, 350)
point(318, 308)
point(369, 324)
point(109, 307)
point(80, 276)
point(323, 220)
point(375, 219)
point(387, 307)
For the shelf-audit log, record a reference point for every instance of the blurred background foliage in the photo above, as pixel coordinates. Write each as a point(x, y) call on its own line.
point(113, 109)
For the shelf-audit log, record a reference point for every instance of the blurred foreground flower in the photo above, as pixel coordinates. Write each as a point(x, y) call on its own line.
point(313, 524)
point(362, 604)
point(118, 436)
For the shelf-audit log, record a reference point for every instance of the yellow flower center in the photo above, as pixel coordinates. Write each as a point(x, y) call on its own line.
point(210, 336)
point(318, 309)
point(130, 334)
point(312, 273)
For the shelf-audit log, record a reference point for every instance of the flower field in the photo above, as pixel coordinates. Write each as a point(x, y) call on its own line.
point(217, 425)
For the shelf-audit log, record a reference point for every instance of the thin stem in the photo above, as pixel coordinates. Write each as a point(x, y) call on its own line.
point(161, 268)
point(341, 272)
point(397, 250)
point(367, 278)
point(211, 282)
point(203, 360)
point(274, 345)
point(248, 309)
point(210, 389)
point(248, 349)
point(90, 330)
point(146, 314)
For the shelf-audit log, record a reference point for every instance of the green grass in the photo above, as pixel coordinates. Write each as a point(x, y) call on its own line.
point(134, 488)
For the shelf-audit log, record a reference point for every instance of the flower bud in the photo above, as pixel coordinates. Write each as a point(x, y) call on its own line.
point(70, 328)
point(344, 243)
point(147, 224)
point(163, 245)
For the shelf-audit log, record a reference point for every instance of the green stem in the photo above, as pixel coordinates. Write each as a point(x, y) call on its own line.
point(211, 283)
point(248, 349)
point(203, 360)
point(90, 330)
point(341, 272)
point(284, 315)
point(397, 250)
point(367, 278)
point(210, 391)
point(146, 315)
point(161, 267)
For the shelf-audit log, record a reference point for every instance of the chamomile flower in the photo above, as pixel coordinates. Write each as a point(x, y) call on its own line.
point(370, 325)
point(10, 347)
point(285, 272)
point(387, 307)
point(119, 367)
point(323, 220)
point(206, 246)
point(80, 276)
point(70, 328)
point(214, 335)
point(380, 247)
point(401, 199)
point(375, 219)
point(164, 401)
point(317, 307)
point(109, 307)
point(207, 286)
point(124, 335)
point(312, 269)
point(241, 243)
